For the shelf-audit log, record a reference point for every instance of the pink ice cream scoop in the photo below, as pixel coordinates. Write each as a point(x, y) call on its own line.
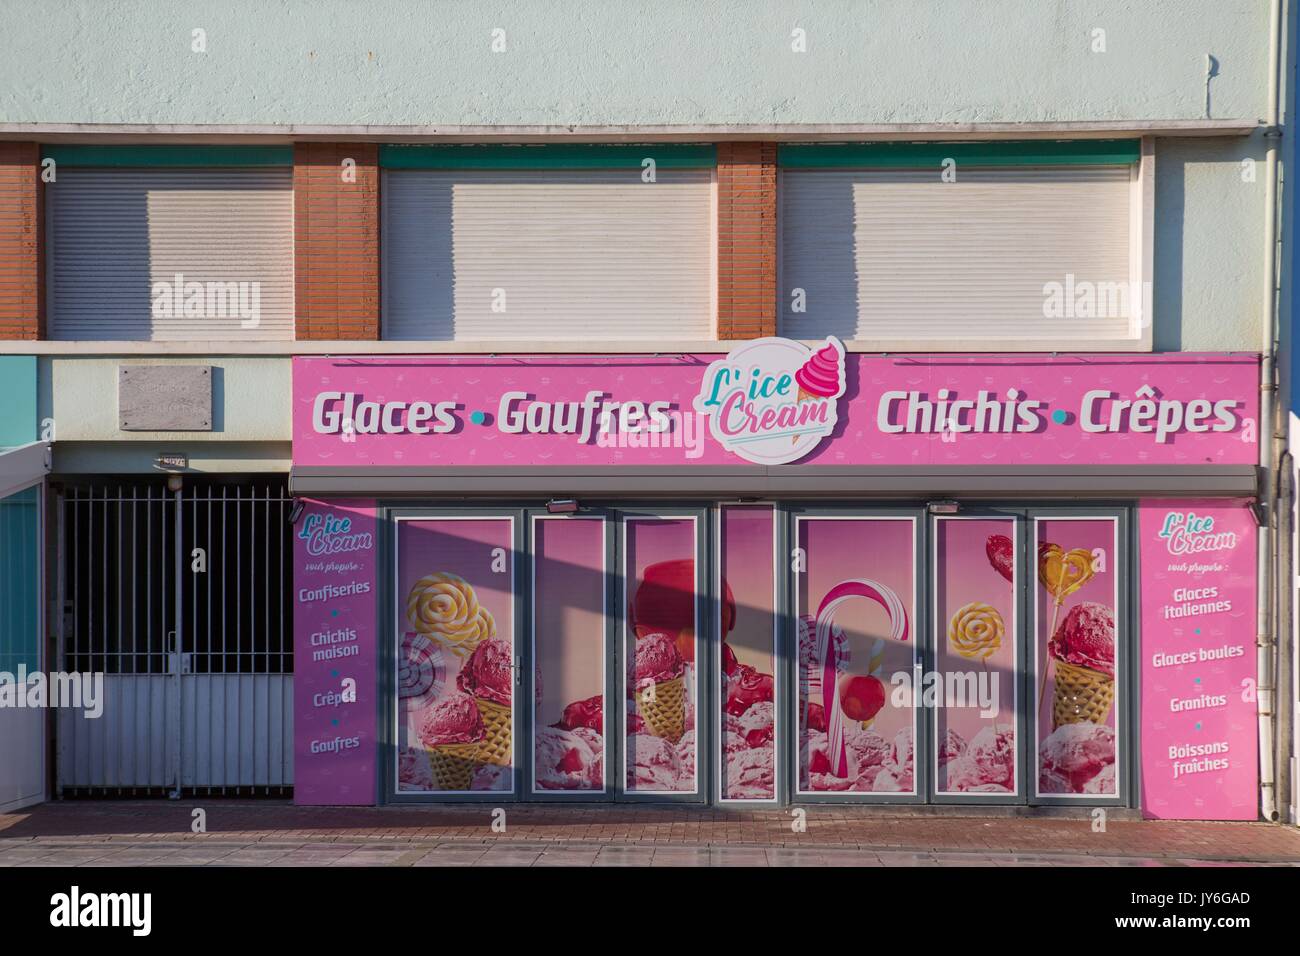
point(652, 764)
point(820, 376)
point(954, 745)
point(993, 753)
point(488, 672)
point(452, 720)
point(657, 659)
point(1086, 638)
point(750, 775)
point(1080, 749)
point(755, 725)
point(563, 760)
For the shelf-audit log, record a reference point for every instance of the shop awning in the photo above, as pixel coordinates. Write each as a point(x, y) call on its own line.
point(22, 465)
point(793, 481)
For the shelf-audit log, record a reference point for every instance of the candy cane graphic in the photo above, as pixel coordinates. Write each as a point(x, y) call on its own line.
point(826, 653)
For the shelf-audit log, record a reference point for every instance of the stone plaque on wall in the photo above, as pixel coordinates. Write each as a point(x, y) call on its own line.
point(164, 398)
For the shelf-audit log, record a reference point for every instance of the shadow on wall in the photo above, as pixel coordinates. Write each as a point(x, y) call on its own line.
point(821, 233)
point(1209, 210)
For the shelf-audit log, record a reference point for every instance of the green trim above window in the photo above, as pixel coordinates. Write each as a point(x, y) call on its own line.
point(547, 156)
point(169, 155)
point(1082, 152)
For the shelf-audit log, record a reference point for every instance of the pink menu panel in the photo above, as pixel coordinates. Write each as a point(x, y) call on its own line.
point(335, 648)
point(1199, 729)
point(557, 410)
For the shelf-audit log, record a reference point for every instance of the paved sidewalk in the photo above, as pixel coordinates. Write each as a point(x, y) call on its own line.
point(276, 833)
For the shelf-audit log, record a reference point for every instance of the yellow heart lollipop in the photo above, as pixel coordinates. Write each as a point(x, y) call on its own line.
point(1063, 572)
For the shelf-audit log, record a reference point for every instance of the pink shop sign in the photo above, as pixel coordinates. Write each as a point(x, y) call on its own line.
point(774, 402)
point(1199, 719)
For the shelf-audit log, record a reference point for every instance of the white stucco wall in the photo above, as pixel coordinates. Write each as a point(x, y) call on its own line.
point(588, 62)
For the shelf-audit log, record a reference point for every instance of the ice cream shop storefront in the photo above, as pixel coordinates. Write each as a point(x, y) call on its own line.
point(783, 575)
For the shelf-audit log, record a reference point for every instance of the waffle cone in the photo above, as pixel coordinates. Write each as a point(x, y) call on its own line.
point(665, 715)
point(803, 396)
point(1081, 693)
point(496, 744)
point(454, 765)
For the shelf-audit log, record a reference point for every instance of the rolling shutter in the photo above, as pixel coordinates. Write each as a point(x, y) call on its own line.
point(115, 233)
point(561, 254)
point(897, 254)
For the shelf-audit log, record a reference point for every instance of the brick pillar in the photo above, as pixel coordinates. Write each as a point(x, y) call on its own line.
point(22, 227)
point(746, 240)
point(336, 241)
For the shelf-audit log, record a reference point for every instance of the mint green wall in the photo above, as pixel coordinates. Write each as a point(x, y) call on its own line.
point(17, 400)
point(20, 557)
point(633, 61)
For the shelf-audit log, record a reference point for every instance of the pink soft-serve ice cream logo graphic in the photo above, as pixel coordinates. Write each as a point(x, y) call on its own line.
point(772, 401)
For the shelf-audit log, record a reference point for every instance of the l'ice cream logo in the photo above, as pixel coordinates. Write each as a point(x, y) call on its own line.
point(772, 401)
point(1190, 534)
point(329, 534)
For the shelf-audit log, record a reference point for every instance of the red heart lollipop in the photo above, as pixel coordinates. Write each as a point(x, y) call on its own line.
point(1001, 554)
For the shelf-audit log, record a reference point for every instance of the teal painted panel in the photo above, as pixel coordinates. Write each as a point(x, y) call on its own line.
point(1093, 152)
point(547, 156)
point(170, 155)
point(17, 400)
point(20, 554)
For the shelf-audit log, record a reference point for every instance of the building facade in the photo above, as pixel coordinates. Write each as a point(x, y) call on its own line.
point(876, 404)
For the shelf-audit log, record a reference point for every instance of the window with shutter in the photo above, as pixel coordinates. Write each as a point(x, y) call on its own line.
point(1020, 256)
point(534, 254)
point(168, 254)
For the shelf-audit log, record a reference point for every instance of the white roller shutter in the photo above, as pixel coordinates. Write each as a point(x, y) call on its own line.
point(115, 233)
point(901, 255)
point(585, 254)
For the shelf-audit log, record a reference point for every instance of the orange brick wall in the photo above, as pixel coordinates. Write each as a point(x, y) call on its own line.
point(336, 241)
point(22, 266)
point(746, 240)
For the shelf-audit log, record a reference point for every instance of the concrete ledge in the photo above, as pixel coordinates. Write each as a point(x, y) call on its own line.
point(233, 134)
point(811, 481)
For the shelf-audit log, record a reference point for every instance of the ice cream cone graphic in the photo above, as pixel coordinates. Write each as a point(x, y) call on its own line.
point(1081, 694)
point(452, 732)
point(821, 377)
point(496, 746)
point(1083, 650)
point(488, 675)
point(659, 686)
point(663, 708)
point(453, 765)
point(1061, 573)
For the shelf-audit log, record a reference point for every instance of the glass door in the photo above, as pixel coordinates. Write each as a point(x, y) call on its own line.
point(572, 651)
point(662, 607)
point(1078, 685)
point(973, 694)
point(457, 670)
point(858, 629)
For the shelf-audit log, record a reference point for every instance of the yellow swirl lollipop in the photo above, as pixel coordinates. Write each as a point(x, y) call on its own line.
point(444, 606)
point(976, 631)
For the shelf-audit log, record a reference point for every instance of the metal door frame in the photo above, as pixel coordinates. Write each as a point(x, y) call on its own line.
point(706, 611)
point(1127, 656)
point(921, 657)
point(1022, 594)
point(390, 618)
point(609, 530)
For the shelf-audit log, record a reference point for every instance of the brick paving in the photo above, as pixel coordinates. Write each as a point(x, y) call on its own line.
point(276, 833)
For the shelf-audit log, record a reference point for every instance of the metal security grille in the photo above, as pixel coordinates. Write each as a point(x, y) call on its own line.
point(182, 600)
